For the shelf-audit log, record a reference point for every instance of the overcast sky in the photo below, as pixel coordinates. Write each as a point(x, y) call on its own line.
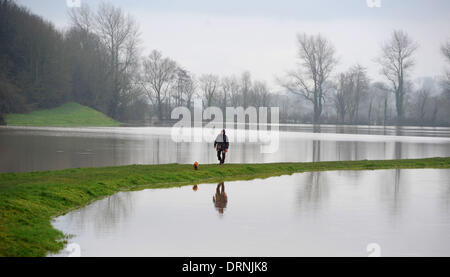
point(230, 36)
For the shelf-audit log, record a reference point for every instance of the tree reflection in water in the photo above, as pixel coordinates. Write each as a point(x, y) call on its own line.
point(107, 213)
point(313, 191)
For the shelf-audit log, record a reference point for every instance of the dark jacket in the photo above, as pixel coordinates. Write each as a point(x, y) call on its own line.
point(221, 142)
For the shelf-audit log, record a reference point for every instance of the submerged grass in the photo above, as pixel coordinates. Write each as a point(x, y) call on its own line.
point(28, 201)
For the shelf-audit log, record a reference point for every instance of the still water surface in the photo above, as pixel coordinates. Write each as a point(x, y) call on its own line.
point(34, 149)
point(335, 213)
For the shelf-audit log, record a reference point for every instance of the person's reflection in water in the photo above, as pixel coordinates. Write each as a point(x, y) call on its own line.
point(220, 199)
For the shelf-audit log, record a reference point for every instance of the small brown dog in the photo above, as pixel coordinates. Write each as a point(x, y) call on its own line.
point(195, 165)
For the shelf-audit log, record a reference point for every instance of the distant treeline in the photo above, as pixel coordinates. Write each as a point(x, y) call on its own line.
point(97, 62)
point(42, 67)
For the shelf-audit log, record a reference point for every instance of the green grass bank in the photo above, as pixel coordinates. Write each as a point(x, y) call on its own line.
point(68, 115)
point(28, 201)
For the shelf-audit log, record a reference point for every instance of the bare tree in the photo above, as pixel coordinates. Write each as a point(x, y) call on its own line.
point(225, 89)
point(261, 94)
point(245, 85)
point(373, 105)
point(421, 101)
point(114, 36)
point(157, 79)
point(380, 93)
point(180, 79)
point(190, 86)
point(82, 18)
point(184, 88)
point(396, 60)
point(341, 97)
point(317, 60)
point(231, 86)
point(209, 85)
point(359, 83)
point(119, 33)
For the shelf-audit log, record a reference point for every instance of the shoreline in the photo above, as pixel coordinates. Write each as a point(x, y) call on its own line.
point(30, 200)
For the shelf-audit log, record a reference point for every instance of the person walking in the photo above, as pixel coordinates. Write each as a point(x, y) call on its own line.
point(221, 145)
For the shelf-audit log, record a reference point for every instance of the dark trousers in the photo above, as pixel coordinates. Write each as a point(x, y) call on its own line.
point(221, 156)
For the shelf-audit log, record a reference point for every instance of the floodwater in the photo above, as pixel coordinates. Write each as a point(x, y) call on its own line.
point(335, 213)
point(45, 148)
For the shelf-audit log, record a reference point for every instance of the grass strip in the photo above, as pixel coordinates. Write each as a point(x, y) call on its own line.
point(28, 201)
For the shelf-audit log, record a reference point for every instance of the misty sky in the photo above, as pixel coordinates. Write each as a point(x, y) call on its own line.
point(230, 36)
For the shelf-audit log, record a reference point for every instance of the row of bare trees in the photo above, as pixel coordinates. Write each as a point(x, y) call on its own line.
point(234, 91)
point(98, 62)
point(349, 88)
point(166, 85)
point(317, 60)
point(154, 79)
point(115, 35)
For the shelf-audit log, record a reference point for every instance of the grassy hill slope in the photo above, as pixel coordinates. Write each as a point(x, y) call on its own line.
point(70, 114)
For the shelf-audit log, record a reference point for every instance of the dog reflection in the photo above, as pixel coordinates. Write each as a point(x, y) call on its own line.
point(220, 199)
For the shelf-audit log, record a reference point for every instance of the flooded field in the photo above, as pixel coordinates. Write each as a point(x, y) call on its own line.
point(34, 149)
point(336, 213)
